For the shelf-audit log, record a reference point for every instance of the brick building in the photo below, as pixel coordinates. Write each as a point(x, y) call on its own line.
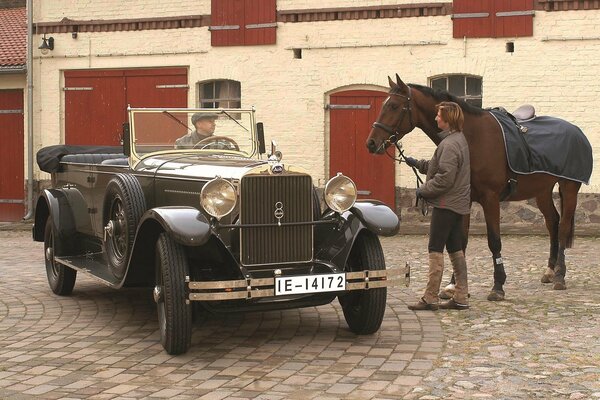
point(315, 70)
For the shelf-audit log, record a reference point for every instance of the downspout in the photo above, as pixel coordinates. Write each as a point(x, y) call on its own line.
point(29, 199)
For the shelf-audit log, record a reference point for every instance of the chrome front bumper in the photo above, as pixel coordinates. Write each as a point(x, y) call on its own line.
point(265, 287)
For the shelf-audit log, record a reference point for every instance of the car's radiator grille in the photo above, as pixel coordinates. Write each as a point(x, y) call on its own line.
point(263, 197)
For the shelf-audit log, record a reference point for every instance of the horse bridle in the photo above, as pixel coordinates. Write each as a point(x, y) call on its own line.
point(393, 132)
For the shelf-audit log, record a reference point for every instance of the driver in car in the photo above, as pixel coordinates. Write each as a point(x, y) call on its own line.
point(205, 128)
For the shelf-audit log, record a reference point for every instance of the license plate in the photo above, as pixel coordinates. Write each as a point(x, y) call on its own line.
point(310, 284)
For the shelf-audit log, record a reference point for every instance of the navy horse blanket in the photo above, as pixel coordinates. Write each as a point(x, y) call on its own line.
point(550, 145)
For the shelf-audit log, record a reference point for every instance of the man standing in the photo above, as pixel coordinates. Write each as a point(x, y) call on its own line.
point(205, 128)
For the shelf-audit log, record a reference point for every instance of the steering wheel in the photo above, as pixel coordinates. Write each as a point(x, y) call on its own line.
point(217, 142)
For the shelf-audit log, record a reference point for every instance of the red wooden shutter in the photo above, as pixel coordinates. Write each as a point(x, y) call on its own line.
point(243, 22)
point(514, 18)
point(472, 18)
point(261, 22)
point(492, 18)
point(227, 22)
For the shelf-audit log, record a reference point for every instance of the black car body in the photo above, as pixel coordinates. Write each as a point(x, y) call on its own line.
point(216, 224)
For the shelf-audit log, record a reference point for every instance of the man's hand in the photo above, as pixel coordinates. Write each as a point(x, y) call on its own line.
point(411, 162)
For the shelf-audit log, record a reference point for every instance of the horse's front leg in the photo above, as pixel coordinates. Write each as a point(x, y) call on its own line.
point(491, 210)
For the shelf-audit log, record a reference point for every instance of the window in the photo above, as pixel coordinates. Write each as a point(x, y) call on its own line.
point(492, 18)
point(219, 94)
point(466, 87)
point(243, 22)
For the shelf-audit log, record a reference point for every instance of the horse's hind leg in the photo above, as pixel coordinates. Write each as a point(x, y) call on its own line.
point(546, 205)
point(566, 228)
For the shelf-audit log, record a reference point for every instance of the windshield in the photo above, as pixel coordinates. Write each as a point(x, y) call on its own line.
point(203, 130)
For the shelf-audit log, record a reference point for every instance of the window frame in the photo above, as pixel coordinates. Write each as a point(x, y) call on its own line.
point(219, 102)
point(466, 97)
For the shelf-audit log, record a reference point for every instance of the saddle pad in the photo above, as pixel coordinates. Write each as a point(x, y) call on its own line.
point(550, 145)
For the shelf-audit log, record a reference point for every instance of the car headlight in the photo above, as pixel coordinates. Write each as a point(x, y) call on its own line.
point(340, 193)
point(218, 197)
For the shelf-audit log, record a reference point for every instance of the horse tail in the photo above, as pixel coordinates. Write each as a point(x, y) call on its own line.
point(571, 234)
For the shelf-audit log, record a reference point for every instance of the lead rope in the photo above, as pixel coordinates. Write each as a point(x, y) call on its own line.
point(423, 204)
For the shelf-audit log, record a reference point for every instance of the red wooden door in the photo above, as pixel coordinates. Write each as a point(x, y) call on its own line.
point(12, 179)
point(351, 115)
point(96, 100)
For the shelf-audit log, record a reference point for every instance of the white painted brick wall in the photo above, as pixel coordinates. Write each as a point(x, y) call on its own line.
point(290, 94)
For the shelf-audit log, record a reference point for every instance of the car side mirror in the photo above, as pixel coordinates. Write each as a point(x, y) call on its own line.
point(260, 133)
point(126, 141)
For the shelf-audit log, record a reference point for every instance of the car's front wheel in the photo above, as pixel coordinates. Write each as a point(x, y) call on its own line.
point(174, 315)
point(60, 278)
point(364, 309)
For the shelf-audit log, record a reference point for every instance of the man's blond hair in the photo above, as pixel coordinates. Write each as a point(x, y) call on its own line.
point(452, 114)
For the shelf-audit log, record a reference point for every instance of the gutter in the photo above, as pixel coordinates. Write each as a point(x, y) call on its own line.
point(29, 67)
point(19, 69)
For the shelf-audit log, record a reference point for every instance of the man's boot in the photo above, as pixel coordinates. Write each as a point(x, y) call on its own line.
point(461, 290)
point(430, 299)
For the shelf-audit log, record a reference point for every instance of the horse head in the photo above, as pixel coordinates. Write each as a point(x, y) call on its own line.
point(395, 119)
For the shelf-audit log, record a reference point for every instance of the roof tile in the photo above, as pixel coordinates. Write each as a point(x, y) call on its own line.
point(13, 37)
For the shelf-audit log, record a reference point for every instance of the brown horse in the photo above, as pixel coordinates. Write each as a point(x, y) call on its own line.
point(413, 106)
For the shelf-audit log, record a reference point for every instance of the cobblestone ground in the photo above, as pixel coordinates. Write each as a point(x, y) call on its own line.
point(102, 344)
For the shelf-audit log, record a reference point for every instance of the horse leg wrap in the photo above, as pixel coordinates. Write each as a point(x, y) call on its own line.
point(499, 274)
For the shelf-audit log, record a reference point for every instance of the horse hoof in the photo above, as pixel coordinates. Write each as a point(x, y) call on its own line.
point(496, 295)
point(548, 276)
point(447, 292)
point(560, 286)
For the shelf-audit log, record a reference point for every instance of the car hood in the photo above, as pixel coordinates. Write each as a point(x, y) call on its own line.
point(198, 165)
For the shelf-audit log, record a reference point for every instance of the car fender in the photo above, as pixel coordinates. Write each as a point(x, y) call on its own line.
point(54, 203)
point(377, 217)
point(186, 225)
point(335, 241)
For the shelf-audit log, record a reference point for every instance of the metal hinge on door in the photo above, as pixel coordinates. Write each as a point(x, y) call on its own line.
point(182, 86)
point(223, 28)
point(92, 210)
point(348, 106)
point(91, 179)
point(77, 88)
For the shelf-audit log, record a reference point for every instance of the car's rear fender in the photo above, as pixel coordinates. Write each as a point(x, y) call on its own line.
point(54, 203)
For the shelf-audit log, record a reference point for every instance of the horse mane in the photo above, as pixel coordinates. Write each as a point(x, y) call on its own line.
point(442, 95)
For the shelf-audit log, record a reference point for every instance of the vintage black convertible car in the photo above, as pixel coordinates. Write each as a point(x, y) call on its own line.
point(219, 223)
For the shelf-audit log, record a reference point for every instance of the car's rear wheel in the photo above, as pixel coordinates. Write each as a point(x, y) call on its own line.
point(174, 315)
point(124, 205)
point(364, 309)
point(60, 278)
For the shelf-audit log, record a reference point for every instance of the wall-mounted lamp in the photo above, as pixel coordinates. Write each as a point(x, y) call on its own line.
point(47, 44)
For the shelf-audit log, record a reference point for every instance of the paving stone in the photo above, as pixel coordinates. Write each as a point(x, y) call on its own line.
point(100, 343)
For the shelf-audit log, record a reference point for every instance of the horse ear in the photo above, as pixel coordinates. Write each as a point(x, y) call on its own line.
point(399, 81)
point(391, 82)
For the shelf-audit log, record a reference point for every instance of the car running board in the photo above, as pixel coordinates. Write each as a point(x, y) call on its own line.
point(91, 262)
